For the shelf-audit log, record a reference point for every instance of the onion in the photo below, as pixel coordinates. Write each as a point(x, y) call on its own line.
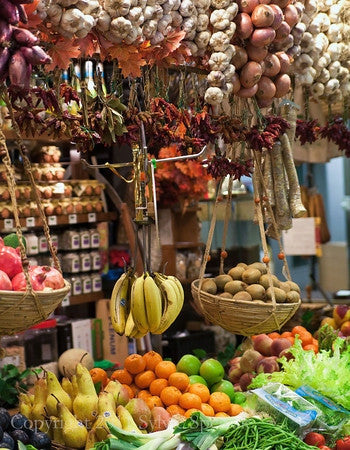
point(284, 61)
point(250, 74)
point(272, 65)
point(262, 37)
point(282, 32)
point(263, 16)
point(278, 19)
point(282, 3)
point(235, 83)
point(240, 57)
point(247, 6)
point(264, 102)
point(264, 2)
point(282, 83)
point(257, 54)
point(291, 15)
point(244, 25)
point(248, 92)
point(266, 88)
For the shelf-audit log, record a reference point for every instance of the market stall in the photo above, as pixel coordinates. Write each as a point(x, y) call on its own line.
point(119, 117)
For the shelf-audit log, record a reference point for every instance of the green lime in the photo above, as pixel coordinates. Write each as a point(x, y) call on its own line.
point(212, 371)
point(11, 240)
point(239, 398)
point(226, 387)
point(189, 364)
point(197, 379)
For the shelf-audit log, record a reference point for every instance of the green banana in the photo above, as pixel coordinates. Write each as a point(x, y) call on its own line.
point(137, 305)
point(153, 303)
point(119, 303)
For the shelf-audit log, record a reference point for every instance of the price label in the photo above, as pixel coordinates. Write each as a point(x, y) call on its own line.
point(66, 301)
point(8, 224)
point(30, 222)
point(72, 218)
point(92, 217)
point(52, 220)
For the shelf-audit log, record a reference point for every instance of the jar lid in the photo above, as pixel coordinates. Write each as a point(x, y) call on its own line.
point(50, 323)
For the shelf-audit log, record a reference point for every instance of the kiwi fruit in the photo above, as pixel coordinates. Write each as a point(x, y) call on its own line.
point(260, 266)
point(244, 265)
point(264, 281)
point(285, 286)
point(236, 272)
point(226, 295)
point(280, 295)
point(293, 286)
point(221, 280)
point(251, 276)
point(256, 291)
point(234, 286)
point(243, 295)
point(209, 286)
point(292, 297)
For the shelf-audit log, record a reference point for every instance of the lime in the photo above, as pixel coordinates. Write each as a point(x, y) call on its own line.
point(239, 398)
point(189, 364)
point(197, 379)
point(226, 387)
point(212, 371)
point(11, 240)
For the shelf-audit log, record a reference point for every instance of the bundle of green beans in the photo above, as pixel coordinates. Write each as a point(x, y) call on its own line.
point(262, 434)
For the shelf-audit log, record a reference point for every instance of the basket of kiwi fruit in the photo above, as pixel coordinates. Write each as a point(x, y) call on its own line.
point(247, 300)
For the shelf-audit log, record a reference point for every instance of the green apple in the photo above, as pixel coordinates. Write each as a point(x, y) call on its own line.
point(212, 371)
point(189, 364)
point(197, 379)
point(239, 398)
point(226, 387)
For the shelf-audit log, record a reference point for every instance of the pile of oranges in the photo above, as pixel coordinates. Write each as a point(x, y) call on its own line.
point(308, 342)
point(158, 383)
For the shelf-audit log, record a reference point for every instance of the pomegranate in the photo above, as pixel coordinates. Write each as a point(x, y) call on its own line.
point(10, 261)
point(52, 277)
point(37, 281)
point(5, 282)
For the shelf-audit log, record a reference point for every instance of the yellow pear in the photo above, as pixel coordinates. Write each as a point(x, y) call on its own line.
point(25, 405)
point(55, 393)
point(40, 396)
point(106, 413)
point(56, 430)
point(86, 400)
point(127, 421)
point(74, 433)
point(68, 387)
point(91, 439)
point(120, 394)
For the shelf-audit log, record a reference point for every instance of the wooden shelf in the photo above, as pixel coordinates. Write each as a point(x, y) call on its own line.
point(85, 298)
point(11, 136)
point(7, 225)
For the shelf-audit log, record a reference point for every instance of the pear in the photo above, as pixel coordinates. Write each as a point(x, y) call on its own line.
point(120, 394)
point(56, 430)
point(85, 403)
point(68, 387)
point(140, 412)
point(40, 396)
point(91, 439)
point(25, 405)
point(55, 393)
point(128, 423)
point(106, 413)
point(74, 433)
point(74, 386)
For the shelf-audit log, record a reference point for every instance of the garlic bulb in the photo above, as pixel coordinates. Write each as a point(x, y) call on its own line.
point(214, 96)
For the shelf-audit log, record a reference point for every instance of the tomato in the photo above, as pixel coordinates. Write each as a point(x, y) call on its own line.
point(343, 444)
point(315, 439)
point(324, 447)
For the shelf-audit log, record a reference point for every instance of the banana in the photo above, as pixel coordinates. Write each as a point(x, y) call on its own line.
point(178, 285)
point(119, 303)
point(137, 305)
point(130, 326)
point(153, 303)
point(173, 302)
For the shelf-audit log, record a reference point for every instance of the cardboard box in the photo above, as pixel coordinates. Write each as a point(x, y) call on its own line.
point(74, 334)
point(115, 347)
point(334, 268)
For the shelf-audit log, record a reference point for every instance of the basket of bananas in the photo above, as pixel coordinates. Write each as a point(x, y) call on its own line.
point(146, 303)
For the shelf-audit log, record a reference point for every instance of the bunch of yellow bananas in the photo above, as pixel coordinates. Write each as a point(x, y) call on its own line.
point(148, 303)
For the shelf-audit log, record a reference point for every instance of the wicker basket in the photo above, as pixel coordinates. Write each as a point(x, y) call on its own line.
point(21, 310)
point(243, 317)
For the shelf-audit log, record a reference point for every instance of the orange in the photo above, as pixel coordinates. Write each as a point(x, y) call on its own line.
point(157, 386)
point(201, 390)
point(122, 375)
point(179, 380)
point(144, 393)
point(274, 335)
point(306, 338)
point(152, 359)
point(134, 388)
point(315, 342)
point(175, 409)
point(134, 364)
point(99, 376)
point(153, 401)
point(207, 410)
point(188, 401)
point(220, 402)
point(144, 379)
point(170, 395)
point(129, 391)
point(311, 347)
point(190, 411)
point(235, 409)
point(286, 334)
point(298, 329)
point(221, 414)
point(290, 339)
point(164, 369)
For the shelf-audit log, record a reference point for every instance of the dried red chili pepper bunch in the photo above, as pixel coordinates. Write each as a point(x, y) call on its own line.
point(307, 131)
point(337, 132)
point(219, 166)
point(274, 127)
